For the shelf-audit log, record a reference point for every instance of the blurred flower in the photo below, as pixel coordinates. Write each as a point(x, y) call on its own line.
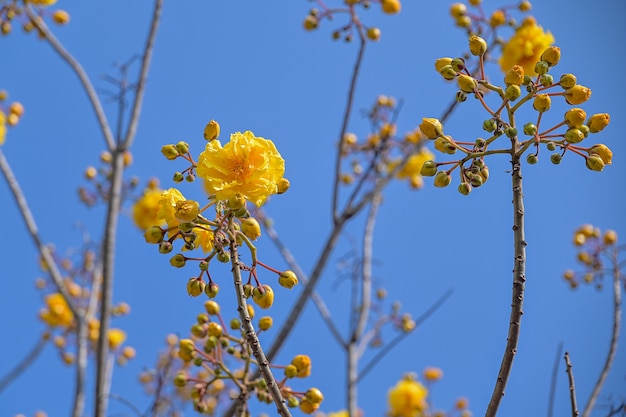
point(116, 337)
point(57, 311)
point(246, 165)
point(525, 46)
point(3, 127)
point(407, 398)
point(146, 209)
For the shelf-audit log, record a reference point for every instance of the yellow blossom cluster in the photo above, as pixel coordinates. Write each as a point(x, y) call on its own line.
point(526, 46)
point(9, 116)
point(408, 398)
point(13, 11)
point(595, 249)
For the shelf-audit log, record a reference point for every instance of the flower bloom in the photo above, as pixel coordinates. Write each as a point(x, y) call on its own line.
point(146, 209)
point(407, 399)
point(116, 337)
point(525, 46)
point(414, 164)
point(246, 165)
point(57, 311)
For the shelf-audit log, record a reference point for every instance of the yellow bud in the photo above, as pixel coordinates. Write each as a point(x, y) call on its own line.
point(390, 6)
point(514, 76)
point(264, 298)
point(431, 127)
point(128, 352)
point(310, 23)
point(265, 323)
point(574, 135)
point(610, 237)
point(579, 239)
point(282, 186)
point(186, 210)
point(61, 17)
point(116, 337)
point(387, 130)
point(214, 329)
point(154, 235)
point(524, 6)
point(288, 279)
point(127, 158)
point(512, 92)
point(594, 162)
point(251, 228)
point(542, 103)
point(373, 34)
point(498, 18)
point(13, 119)
point(170, 152)
point(458, 10)
point(477, 45)
point(466, 83)
point(212, 130)
point(5, 27)
point(314, 395)
point(195, 287)
point(433, 374)
point(603, 152)
point(212, 307)
point(442, 62)
point(3, 95)
point(442, 179)
point(90, 173)
point(567, 81)
point(598, 122)
point(308, 407)
point(577, 94)
point(303, 365)
point(575, 117)
point(552, 55)
point(16, 108)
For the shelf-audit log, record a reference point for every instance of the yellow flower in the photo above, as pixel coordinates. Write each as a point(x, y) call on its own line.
point(578, 94)
point(246, 165)
point(342, 413)
point(204, 239)
point(57, 311)
point(603, 152)
point(116, 337)
point(146, 209)
point(407, 399)
point(42, 2)
point(3, 127)
point(514, 75)
point(167, 206)
point(303, 365)
point(525, 46)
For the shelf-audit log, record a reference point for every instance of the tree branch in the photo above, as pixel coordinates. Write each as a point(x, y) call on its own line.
point(572, 388)
point(553, 379)
point(22, 365)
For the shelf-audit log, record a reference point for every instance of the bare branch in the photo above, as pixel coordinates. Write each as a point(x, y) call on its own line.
point(617, 318)
point(553, 379)
point(572, 388)
point(22, 365)
point(80, 73)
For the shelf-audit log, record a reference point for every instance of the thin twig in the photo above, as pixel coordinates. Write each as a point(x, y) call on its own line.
point(252, 338)
point(80, 73)
point(617, 318)
point(22, 365)
point(363, 308)
point(553, 379)
point(399, 337)
point(519, 280)
point(572, 388)
point(344, 128)
point(127, 403)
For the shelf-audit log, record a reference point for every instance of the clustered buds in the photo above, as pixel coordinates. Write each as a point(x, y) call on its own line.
point(595, 248)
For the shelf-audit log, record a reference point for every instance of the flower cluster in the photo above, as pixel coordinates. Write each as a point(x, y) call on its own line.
point(57, 315)
point(475, 20)
point(382, 152)
point(216, 356)
point(595, 250)
point(98, 180)
point(354, 25)
point(575, 125)
point(9, 115)
point(15, 11)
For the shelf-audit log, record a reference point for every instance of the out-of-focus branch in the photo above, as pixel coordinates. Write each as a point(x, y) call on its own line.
point(399, 337)
point(252, 338)
point(293, 264)
point(519, 280)
point(344, 128)
point(363, 308)
point(22, 365)
point(80, 73)
point(617, 318)
point(553, 379)
point(572, 388)
point(143, 75)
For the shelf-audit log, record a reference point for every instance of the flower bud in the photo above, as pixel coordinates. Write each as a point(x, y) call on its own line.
point(212, 307)
point(552, 55)
point(282, 186)
point(182, 147)
point(154, 235)
point(214, 329)
point(551, 146)
point(291, 371)
point(235, 324)
point(477, 45)
point(542, 103)
point(497, 18)
point(442, 62)
point(212, 130)
point(251, 228)
point(302, 364)
point(577, 94)
point(60, 17)
point(598, 122)
point(178, 260)
point(429, 168)
point(178, 177)
point(567, 81)
point(542, 67)
point(530, 129)
point(511, 132)
point(466, 83)
point(373, 33)
point(514, 76)
point(555, 158)
point(431, 128)
point(458, 10)
point(165, 247)
point(263, 298)
point(490, 125)
point(442, 179)
point(169, 151)
point(594, 162)
point(180, 380)
point(575, 117)
point(610, 237)
point(212, 290)
point(524, 6)
point(458, 64)
point(391, 6)
point(195, 287)
point(512, 92)
point(574, 135)
point(531, 158)
point(265, 323)
point(464, 188)
point(447, 72)
point(287, 279)
point(603, 152)
point(186, 210)
point(310, 23)
point(223, 256)
point(314, 396)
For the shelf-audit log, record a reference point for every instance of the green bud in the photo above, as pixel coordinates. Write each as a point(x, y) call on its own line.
point(484, 174)
point(165, 247)
point(182, 147)
point(594, 162)
point(542, 67)
point(567, 81)
point(211, 343)
point(442, 179)
point(531, 158)
point(458, 64)
point(530, 129)
point(190, 178)
point(429, 168)
point(202, 318)
point(511, 132)
point(178, 260)
point(476, 180)
point(574, 135)
point(447, 72)
point(293, 402)
point(555, 158)
point(512, 92)
point(223, 256)
point(546, 80)
point(584, 129)
point(178, 177)
point(203, 265)
point(490, 125)
point(527, 80)
point(180, 379)
point(186, 227)
point(247, 290)
point(169, 151)
point(480, 143)
point(198, 330)
point(460, 96)
point(551, 146)
point(235, 324)
point(464, 188)
point(211, 290)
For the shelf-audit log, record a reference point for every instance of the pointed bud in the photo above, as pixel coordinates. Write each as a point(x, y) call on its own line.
point(431, 127)
point(169, 151)
point(577, 94)
point(442, 179)
point(603, 152)
point(288, 279)
point(575, 117)
point(552, 55)
point(212, 130)
point(598, 122)
point(477, 45)
point(466, 83)
point(594, 162)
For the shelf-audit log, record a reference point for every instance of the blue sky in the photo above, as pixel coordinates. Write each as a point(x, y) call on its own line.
point(252, 67)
